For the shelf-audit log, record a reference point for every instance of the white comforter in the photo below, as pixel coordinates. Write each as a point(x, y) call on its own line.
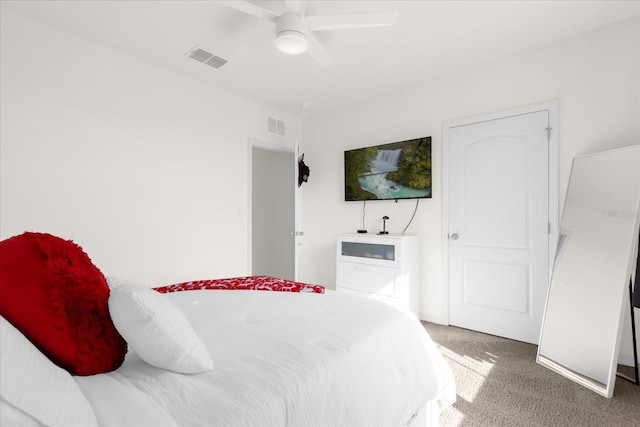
point(283, 359)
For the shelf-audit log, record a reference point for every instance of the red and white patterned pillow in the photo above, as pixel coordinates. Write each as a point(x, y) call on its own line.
point(258, 283)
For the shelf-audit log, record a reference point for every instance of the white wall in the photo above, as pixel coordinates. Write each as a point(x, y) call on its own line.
point(147, 170)
point(595, 77)
point(143, 168)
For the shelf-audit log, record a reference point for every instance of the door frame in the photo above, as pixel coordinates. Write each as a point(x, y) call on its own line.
point(257, 143)
point(554, 221)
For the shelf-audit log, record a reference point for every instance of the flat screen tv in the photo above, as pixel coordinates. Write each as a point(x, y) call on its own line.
point(399, 170)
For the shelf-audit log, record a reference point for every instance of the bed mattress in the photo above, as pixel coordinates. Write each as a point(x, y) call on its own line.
point(283, 359)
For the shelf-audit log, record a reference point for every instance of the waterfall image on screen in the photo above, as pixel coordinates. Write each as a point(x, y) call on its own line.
point(400, 170)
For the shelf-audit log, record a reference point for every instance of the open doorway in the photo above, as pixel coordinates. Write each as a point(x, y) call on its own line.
point(272, 211)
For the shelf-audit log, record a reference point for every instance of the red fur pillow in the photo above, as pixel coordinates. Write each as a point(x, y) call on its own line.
point(51, 291)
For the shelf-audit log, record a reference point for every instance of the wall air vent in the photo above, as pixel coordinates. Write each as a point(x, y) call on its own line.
point(207, 58)
point(275, 126)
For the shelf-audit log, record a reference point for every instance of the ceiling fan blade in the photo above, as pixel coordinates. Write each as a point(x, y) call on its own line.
point(251, 9)
point(359, 20)
point(296, 6)
point(318, 52)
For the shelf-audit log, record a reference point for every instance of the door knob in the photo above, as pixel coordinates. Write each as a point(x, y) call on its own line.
point(454, 236)
point(299, 233)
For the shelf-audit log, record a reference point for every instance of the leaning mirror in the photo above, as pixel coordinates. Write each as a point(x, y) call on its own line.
point(582, 322)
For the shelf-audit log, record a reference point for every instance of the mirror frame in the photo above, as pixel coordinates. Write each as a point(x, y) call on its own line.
point(564, 367)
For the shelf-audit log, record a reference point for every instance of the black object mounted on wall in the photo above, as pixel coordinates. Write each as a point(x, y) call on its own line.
point(303, 171)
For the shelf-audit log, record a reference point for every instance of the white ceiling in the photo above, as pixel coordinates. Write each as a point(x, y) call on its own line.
point(430, 39)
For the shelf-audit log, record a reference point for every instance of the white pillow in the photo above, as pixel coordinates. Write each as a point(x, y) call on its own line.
point(34, 390)
point(156, 329)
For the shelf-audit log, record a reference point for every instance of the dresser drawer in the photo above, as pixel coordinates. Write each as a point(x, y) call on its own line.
point(381, 251)
point(368, 278)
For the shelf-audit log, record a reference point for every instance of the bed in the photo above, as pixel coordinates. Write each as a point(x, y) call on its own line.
point(292, 356)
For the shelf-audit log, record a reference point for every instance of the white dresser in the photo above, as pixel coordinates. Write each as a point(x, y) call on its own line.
point(383, 267)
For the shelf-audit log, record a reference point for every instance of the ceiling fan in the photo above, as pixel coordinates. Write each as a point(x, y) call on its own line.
point(294, 31)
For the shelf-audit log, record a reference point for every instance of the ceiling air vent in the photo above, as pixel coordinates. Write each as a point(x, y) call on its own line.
point(275, 126)
point(207, 58)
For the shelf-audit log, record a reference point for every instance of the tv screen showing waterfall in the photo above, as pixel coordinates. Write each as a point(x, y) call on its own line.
point(399, 170)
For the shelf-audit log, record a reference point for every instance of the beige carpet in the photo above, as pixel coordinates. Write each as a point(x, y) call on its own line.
point(500, 384)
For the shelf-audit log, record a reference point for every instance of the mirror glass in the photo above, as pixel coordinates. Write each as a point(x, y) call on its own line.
point(582, 323)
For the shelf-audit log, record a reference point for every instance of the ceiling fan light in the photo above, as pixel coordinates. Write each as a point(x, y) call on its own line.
point(291, 42)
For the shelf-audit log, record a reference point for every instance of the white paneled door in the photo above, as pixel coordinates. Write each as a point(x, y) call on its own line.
point(498, 225)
